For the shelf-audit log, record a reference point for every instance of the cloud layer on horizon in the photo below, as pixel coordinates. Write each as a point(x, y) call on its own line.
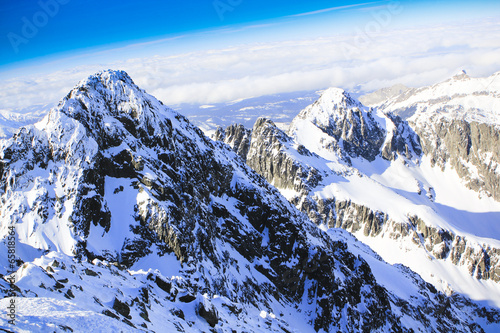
point(362, 60)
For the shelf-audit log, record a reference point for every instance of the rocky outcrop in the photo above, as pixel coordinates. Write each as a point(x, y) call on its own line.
point(481, 260)
point(237, 137)
point(471, 148)
point(401, 140)
point(270, 152)
point(351, 127)
point(270, 155)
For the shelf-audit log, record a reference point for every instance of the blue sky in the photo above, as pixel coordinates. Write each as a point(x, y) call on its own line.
point(32, 29)
point(232, 49)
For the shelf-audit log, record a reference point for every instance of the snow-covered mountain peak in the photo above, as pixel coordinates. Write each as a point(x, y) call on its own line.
point(461, 97)
point(162, 229)
point(334, 106)
point(111, 92)
point(106, 78)
point(114, 110)
point(339, 124)
point(337, 99)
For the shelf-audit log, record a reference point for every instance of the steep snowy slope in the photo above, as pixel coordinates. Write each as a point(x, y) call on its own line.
point(366, 171)
point(127, 218)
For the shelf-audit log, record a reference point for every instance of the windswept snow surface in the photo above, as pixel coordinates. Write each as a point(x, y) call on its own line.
point(444, 201)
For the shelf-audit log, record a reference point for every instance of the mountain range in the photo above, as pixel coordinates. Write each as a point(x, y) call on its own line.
point(126, 217)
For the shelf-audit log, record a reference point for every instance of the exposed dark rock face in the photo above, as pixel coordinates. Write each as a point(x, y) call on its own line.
point(269, 155)
point(471, 148)
point(359, 133)
point(208, 313)
point(121, 308)
point(237, 137)
point(269, 151)
point(404, 141)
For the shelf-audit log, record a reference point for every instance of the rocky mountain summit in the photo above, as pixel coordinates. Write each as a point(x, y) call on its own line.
point(348, 130)
point(127, 218)
point(351, 130)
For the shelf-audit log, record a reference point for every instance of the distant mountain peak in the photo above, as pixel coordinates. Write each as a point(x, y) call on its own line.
point(342, 123)
point(332, 105)
point(382, 95)
point(459, 97)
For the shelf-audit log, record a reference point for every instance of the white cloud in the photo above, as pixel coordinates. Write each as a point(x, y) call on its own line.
point(414, 57)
